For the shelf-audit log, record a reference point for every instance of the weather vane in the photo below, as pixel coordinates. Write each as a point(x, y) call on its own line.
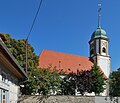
point(99, 12)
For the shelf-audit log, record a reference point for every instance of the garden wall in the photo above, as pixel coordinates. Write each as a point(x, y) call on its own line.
point(67, 99)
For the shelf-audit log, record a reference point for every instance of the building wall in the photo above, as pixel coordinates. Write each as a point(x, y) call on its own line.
point(8, 86)
point(104, 63)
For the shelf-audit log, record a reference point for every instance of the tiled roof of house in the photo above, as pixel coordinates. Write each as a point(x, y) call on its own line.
point(64, 62)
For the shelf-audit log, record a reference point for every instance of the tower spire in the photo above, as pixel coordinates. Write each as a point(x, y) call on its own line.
point(99, 13)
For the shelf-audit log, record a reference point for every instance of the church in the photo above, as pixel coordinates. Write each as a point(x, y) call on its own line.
point(98, 50)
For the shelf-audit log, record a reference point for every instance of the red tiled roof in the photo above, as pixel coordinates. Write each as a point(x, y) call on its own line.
point(64, 62)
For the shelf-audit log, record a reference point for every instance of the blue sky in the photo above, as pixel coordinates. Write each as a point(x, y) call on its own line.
point(62, 25)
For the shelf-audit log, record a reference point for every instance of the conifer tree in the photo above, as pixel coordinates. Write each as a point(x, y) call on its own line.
point(98, 80)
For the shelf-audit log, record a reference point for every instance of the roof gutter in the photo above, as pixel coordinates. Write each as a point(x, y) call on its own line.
point(22, 82)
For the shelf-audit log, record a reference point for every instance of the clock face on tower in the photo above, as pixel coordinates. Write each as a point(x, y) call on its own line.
point(104, 44)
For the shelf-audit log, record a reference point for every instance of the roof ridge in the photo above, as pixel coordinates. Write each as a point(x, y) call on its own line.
point(64, 53)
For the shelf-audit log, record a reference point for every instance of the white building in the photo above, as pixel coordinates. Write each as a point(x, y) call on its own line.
point(11, 75)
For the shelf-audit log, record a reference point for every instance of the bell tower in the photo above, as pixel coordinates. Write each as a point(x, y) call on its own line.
point(99, 47)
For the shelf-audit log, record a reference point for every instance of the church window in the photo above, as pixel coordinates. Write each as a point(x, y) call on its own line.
point(104, 50)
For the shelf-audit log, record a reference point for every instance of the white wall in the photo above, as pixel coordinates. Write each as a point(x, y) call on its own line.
point(104, 63)
point(10, 85)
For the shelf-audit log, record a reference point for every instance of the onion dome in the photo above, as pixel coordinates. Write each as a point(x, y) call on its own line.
point(99, 33)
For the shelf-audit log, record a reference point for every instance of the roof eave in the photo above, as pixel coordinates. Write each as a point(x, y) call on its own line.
point(13, 59)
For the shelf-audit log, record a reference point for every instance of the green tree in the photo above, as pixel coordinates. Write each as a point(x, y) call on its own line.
point(84, 82)
point(41, 81)
point(68, 85)
point(115, 83)
point(44, 82)
point(79, 82)
point(55, 81)
point(98, 80)
point(18, 50)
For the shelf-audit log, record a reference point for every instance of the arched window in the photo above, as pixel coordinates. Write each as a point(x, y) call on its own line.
point(104, 50)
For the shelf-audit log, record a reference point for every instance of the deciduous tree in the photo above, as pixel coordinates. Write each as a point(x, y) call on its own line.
point(115, 83)
point(41, 81)
point(84, 82)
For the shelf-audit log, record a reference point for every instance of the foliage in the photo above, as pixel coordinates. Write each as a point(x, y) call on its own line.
point(98, 80)
point(83, 82)
point(80, 82)
point(17, 48)
point(68, 85)
point(115, 83)
point(55, 81)
point(41, 81)
point(44, 82)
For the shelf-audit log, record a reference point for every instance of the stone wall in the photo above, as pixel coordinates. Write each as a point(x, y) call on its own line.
point(67, 99)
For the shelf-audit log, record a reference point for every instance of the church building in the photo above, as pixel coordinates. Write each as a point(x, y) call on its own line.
point(98, 45)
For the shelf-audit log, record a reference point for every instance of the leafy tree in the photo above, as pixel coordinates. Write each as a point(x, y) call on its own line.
point(115, 83)
point(44, 82)
point(17, 48)
point(41, 81)
point(84, 82)
point(68, 85)
point(55, 81)
point(98, 80)
point(80, 82)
